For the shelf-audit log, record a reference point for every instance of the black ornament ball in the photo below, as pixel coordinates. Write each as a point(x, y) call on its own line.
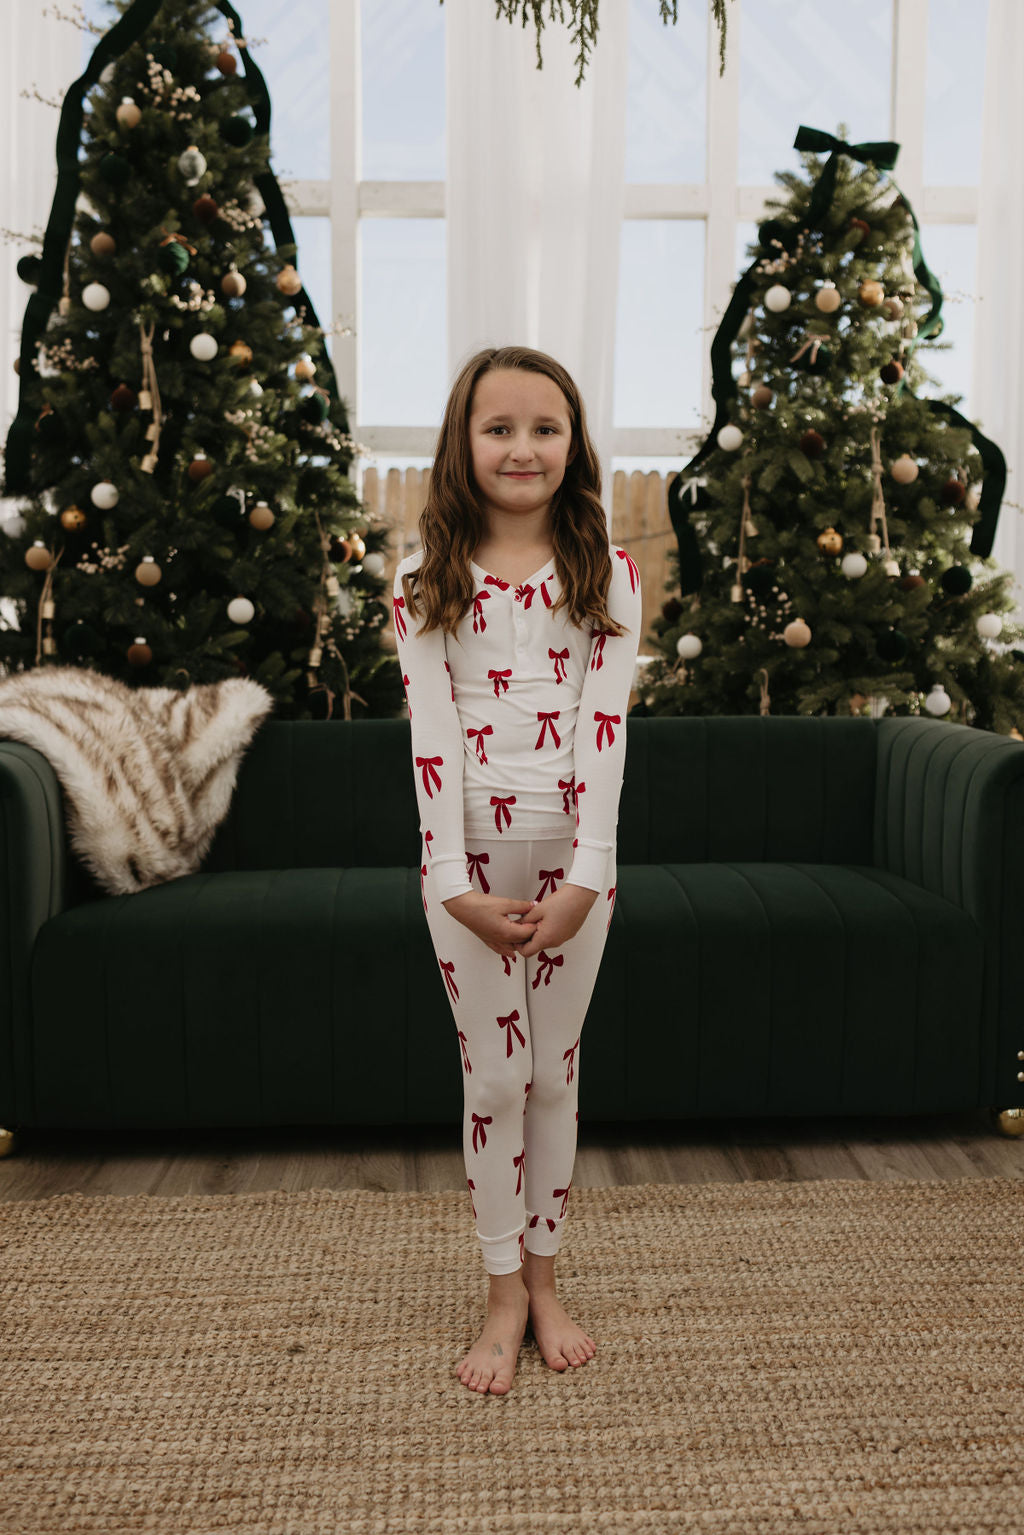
point(80, 641)
point(227, 513)
point(957, 580)
point(671, 609)
point(761, 577)
point(167, 55)
point(236, 131)
point(314, 409)
point(774, 229)
point(30, 269)
point(114, 169)
point(891, 645)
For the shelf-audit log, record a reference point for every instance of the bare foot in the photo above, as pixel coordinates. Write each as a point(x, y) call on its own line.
point(491, 1362)
point(560, 1341)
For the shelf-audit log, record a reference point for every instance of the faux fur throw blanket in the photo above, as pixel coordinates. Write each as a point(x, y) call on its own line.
point(147, 773)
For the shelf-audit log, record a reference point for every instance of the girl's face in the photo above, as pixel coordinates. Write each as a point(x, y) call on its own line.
point(519, 423)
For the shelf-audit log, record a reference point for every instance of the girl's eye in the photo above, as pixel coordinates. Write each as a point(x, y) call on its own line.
point(505, 429)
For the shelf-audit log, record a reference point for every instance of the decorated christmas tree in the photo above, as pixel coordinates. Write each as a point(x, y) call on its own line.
point(834, 549)
point(180, 446)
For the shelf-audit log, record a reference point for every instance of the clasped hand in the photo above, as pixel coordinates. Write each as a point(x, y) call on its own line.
point(545, 924)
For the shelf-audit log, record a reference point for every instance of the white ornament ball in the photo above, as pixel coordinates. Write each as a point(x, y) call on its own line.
point(14, 526)
point(938, 701)
point(853, 565)
point(255, 387)
point(797, 634)
point(989, 626)
point(374, 562)
point(778, 298)
point(105, 495)
point(240, 610)
point(96, 297)
point(203, 347)
point(904, 470)
point(689, 646)
point(730, 438)
point(345, 602)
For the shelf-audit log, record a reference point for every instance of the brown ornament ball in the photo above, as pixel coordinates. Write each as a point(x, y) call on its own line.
point(261, 516)
point(305, 369)
point(139, 654)
point(289, 281)
point(830, 542)
point(226, 62)
point(952, 493)
point(871, 293)
point(206, 209)
point(38, 557)
point(102, 244)
point(73, 519)
point(233, 284)
point(909, 582)
point(828, 298)
point(124, 398)
point(812, 443)
point(893, 308)
point(762, 397)
point(891, 372)
point(199, 468)
point(357, 546)
point(861, 226)
point(240, 354)
point(340, 551)
point(904, 470)
point(671, 609)
point(128, 114)
point(148, 572)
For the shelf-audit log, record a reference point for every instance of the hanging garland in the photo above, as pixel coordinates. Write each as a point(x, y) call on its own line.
point(583, 16)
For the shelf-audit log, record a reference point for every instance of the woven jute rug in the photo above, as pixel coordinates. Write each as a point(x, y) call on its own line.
point(833, 1356)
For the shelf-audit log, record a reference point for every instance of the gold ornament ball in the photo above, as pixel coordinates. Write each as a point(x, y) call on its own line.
point(73, 518)
point(830, 542)
point(762, 397)
point(305, 369)
point(261, 516)
point(148, 573)
point(102, 244)
point(828, 298)
point(871, 293)
point(233, 283)
point(139, 653)
point(796, 634)
point(128, 114)
point(904, 471)
point(199, 468)
point(240, 354)
point(893, 308)
point(357, 546)
point(289, 281)
point(38, 557)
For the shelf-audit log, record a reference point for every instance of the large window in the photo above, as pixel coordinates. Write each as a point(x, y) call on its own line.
point(358, 142)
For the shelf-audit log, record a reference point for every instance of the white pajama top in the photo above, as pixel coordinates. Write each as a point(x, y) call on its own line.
point(518, 720)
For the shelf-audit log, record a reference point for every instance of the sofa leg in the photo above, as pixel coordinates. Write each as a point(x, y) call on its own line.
point(7, 1142)
point(1007, 1121)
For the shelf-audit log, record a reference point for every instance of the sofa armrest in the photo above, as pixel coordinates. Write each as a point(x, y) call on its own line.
point(34, 888)
point(949, 816)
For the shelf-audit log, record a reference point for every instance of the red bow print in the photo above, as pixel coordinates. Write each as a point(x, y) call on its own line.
point(569, 1056)
point(559, 657)
point(518, 1162)
point(605, 722)
point(510, 1024)
point(548, 716)
point(475, 860)
point(597, 659)
point(406, 681)
point(567, 786)
point(634, 571)
point(552, 963)
point(508, 960)
point(423, 888)
point(544, 594)
point(484, 730)
point(501, 809)
point(565, 1196)
point(527, 1098)
point(478, 613)
point(478, 1125)
point(500, 679)
point(472, 1186)
point(430, 764)
point(496, 581)
point(448, 966)
point(465, 1057)
point(546, 875)
point(546, 1219)
point(428, 837)
point(611, 897)
point(396, 604)
point(524, 593)
point(451, 684)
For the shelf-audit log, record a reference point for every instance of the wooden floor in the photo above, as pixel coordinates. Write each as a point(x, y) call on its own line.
point(425, 1158)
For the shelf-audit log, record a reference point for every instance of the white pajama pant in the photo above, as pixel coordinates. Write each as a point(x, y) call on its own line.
point(519, 1021)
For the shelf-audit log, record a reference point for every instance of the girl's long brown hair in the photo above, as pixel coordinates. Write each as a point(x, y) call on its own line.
point(452, 522)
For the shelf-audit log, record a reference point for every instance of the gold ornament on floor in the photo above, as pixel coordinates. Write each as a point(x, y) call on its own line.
point(830, 542)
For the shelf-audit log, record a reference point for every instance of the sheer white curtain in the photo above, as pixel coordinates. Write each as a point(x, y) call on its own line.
point(46, 53)
point(997, 386)
point(535, 196)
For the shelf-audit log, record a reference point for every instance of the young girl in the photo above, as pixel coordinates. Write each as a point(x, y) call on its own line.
point(517, 627)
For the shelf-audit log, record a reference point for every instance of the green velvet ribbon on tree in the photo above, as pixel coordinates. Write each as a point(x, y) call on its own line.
point(882, 154)
point(57, 239)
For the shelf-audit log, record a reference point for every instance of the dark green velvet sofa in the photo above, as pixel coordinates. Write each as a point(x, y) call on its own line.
point(813, 916)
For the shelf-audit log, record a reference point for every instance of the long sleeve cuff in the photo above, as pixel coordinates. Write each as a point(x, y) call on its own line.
point(450, 875)
point(590, 865)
